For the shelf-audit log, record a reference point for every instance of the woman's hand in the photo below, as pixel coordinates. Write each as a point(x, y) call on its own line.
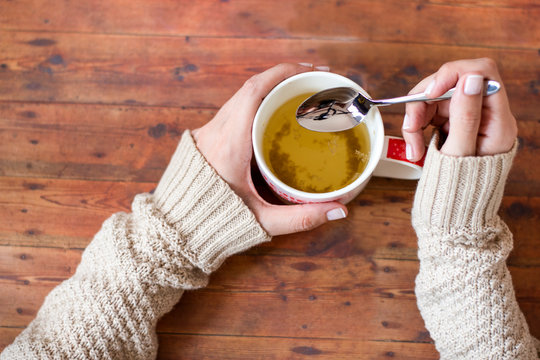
point(475, 125)
point(225, 142)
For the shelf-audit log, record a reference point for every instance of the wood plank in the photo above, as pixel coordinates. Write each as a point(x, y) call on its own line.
point(28, 274)
point(357, 313)
point(7, 335)
point(503, 25)
point(91, 141)
point(245, 272)
point(61, 214)
point(18, 309)
point(150, 71)
point(531, 310)
point(379, 223)
point(299, 314)
point(173, 346)
point(260, 273)
point(135, 143)
point(190, 346)
point(487, 3)
point(39, 212)
point(37, 266)
point(67, 214)
point(523, 178)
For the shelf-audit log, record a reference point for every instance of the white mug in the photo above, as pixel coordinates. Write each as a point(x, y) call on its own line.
point(387, 154)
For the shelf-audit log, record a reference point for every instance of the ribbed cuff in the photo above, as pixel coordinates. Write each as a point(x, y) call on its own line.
point(212, 220)
point(457, 194)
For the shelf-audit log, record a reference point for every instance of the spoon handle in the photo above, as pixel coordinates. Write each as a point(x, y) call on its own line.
point(490, 87)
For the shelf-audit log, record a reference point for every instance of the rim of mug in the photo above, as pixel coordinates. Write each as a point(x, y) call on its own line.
point(335, 194)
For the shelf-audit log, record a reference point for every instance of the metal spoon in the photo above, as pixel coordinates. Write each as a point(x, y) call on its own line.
point(343, 108)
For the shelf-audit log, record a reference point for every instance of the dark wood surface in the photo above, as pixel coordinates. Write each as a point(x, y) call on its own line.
point(95, 94)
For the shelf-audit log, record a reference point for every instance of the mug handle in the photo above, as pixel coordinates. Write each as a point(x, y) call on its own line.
point(394, 163)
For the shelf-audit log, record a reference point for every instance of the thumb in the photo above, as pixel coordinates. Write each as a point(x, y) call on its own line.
point(288, 219)
point(465, 116)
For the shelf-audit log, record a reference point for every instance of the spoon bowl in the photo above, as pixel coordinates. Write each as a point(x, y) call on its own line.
point(343, 108)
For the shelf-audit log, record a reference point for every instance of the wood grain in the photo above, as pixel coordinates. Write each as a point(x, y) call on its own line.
point(7, 335)
point(220, 347)
point(135, 143)
point(42, 206)
point(284, 281)
point(245, 347)
point(67, 214)
point(94, 97)
point(505, 25)
point(62, 68)
point(73, 141)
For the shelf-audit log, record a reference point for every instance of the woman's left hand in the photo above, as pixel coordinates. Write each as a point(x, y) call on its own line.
point(225, 142)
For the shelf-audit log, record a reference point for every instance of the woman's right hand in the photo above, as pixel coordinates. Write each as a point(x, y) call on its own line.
point(475, 125)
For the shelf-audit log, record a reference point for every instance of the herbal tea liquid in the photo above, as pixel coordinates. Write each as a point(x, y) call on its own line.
point(312, 161)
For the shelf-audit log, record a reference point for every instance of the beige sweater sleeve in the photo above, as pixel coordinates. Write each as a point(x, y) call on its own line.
point(464, 290)
point(138, 264)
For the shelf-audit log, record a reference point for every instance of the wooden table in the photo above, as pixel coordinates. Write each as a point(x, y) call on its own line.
point(95, 94)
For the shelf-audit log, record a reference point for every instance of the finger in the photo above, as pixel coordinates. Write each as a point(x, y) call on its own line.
point(449, 74)
point(415, 147)
point(288, 219)
point(465, 115)
point(258, 86)
point(443, 112)
point(417, 116)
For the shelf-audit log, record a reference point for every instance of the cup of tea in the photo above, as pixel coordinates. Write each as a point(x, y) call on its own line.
point(303, 166)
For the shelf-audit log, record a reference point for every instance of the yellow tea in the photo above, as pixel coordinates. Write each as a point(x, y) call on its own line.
point(312, 161)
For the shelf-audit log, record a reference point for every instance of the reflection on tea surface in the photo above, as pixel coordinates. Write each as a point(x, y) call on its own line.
point(312, 161)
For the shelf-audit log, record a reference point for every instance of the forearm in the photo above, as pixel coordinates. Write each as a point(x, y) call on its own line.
point(138, 265)
point(464, 289)
point(466, 297)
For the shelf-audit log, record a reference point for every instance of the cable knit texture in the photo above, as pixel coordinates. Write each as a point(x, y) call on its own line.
point(464, 289)
point(138, 265)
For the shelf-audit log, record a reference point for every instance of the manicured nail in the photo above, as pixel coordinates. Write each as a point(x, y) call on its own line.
point(306, 64)
point(406, 122)
point(322, 68)
point(409, 152)
point(473, 84)
point(430, 87)
point(335, 214)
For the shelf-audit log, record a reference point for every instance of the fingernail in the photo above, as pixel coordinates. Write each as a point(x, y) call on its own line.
point(473, 84)
point(406, 122)
point(322, 68)
point(336, 214)
point(306, 64)
point(430, 87)
point(409, 152)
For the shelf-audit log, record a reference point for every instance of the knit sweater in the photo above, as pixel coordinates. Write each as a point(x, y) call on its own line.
point(138, 264)
point(464, 290)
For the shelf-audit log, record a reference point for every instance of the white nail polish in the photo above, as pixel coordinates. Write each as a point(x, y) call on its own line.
point(406, 122)
point(322, 68)
point(408, 152)
point(473, 84)
point(335, 214)
point(429, 88)
point(306, 64)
